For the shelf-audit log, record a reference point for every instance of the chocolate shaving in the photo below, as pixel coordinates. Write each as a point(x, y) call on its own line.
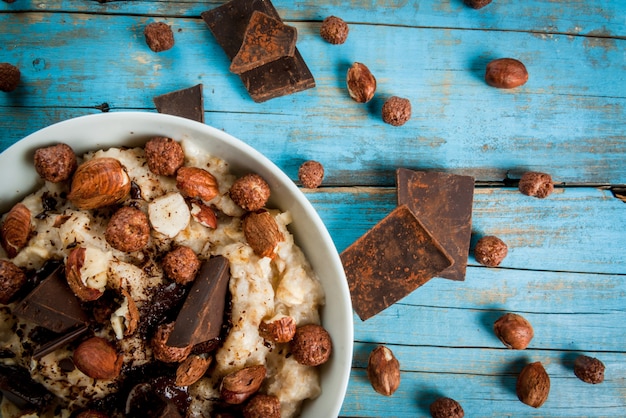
point(187, 103)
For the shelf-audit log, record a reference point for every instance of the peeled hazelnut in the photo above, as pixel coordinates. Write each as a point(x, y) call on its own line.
point(181, 264)
point(196, 183)
point(99, 182)
point(477, 4)
point(396, 111)
point(262, 406)
point(279, 330)
point(98, 359)
point(514, 331)
point(9, 77)
point(533, 385)
point(361, 83)
point(164, 352)
point(128, 229)
point(16, 229)
point(311, 174)
point(55, 163)
point(490, 251)
point(311, 345)
point(334, 30)
point(164, 155)
point(589, 369)
point(12, 278)
point(159, 36)
point(506, 73)
point(262, 233)
point(446, 408)
point(238, 386)
point(536, 184)
point(250, 192)
point(383, 371)
point(191, 369)
point(203, 214)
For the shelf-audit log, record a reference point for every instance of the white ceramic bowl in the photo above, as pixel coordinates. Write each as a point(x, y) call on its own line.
point(106, 130)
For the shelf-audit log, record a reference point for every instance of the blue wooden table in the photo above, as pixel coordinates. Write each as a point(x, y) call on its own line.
point(566, 268)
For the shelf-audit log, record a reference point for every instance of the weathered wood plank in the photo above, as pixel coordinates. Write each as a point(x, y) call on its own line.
point(593, 17)
point(568, 122)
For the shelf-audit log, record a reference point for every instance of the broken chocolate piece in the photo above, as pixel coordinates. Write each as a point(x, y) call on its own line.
point(19, 388)
point(443, 203)
point(187, 103)
point(52, 304)
point(59, 342)
point(391, 260)
point(266, 39)
point(284, 76)
point(200, 318)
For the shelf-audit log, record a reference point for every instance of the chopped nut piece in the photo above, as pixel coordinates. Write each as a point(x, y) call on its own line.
point(191, 369)
point(250, 192)
point(589, 369)
point(169, 214)
point(181, 264)
point(536, 184)
point(361, 83)
point(383, 371)
point(86, 272)
point(490, 251)
point(55, 163)
point(12, 278)
point(238, 386)
point(164, 156)
point(164, 352)
point(159, 36)
point(9, 77)
point(279, 330)
point(396, 111)
point(311, 345)
point(128, 230)
point(334, 30)
point(311, 174)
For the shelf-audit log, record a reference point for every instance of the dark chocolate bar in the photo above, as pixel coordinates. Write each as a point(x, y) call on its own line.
point(200, 318)
point(266, 40)
point(59, 342)
point(52, 304)
point(281, 77)
point(19, 388)
point(443, 203)
point(187, 103)
point(391, 260)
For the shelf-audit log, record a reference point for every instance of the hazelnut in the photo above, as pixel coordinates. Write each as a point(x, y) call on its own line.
point(476, 4)
point(12, 278)
point(533, 385)
point(396, 111)
point(16, 229)
point(311, 345)
point(98, 359)
point(83, 261)
point(361, 83)
point(536, 184)
point(383, 371)
point(589, 369)
point(9, 77)
point(55, 163)
point(514, 331)
point(262, 233)
point(164, 156)
point(334, 30)
point(240, 385)
point(311, 174)
point(262, 406)
point(506, 73)
point(203, 214)
point(128, 229)
point(181, 264)
point(196, 183)
point(191, 369)
point(159, 36)
point(446, 408)
point(99, 182)
point(490, 251)
point(164, 352)
point(279, 330)
point(250, 192)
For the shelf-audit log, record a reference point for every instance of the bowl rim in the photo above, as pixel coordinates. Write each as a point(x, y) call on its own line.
point(138, 126)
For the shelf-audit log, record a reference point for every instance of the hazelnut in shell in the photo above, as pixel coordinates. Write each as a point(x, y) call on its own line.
point(533, 385)
point(514, 331)
point(589, 369)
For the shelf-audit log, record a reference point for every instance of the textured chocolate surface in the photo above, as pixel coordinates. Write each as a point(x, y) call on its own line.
point(52, 305)
point(391, 260)
point(266, 39)
point(443, 203)
point(187, 103)
point(284, 76)
point(200, 318)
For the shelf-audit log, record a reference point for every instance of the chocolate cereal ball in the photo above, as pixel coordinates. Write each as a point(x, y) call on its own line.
point(159, 36)
point(181, 264)
point(490, 251)
point(9, 77)
point(128, 230)
point(311, 174)
point(164, 156)
point(396, 111)
point(334, 30)
point(536, 184)
point(55, 163)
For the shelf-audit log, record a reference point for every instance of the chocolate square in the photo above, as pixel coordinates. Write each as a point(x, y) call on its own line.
point(187, 103)
point(391, 260)
point(284, 76)
point(443, 203)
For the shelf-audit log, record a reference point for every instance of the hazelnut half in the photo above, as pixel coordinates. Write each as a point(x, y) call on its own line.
point(383, 371)
point(240, 385)
point(514, 331)
point(361, 83)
